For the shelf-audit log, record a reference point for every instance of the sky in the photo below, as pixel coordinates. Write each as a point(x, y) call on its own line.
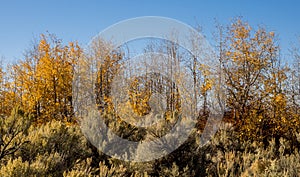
point(23, 21)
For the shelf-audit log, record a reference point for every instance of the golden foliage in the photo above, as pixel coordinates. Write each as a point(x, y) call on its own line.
point(43, 81)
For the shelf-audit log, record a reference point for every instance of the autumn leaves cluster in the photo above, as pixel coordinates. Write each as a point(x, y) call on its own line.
point(260, 89)
point(41, 84)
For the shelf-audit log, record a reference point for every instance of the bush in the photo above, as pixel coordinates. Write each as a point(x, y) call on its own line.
point(13, 131)
point(250, 158)
point(46, 150)
point(15, 168)
point(55, 147)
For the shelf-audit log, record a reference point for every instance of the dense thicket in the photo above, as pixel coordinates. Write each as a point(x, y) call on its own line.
point(40, 134)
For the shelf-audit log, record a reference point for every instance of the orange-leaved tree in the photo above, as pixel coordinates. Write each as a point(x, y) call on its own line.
point(255, 81)
point(43, 81)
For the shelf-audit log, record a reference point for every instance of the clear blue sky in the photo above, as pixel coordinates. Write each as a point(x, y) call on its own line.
point(22, 21)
